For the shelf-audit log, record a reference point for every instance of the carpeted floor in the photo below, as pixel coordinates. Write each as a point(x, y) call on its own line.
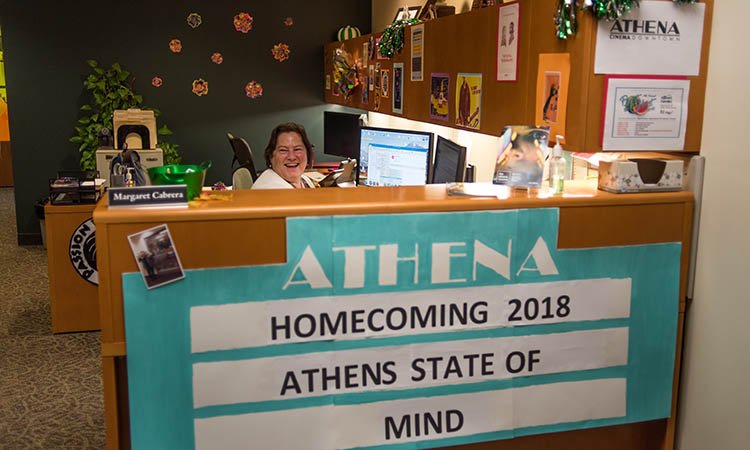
point(50, 385)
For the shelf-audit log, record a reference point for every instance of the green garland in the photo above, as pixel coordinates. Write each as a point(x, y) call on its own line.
point(392, 40)
point(566, 22)
point(612, 9)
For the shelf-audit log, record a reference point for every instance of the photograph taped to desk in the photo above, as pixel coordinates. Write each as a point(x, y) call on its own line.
point(156, 256)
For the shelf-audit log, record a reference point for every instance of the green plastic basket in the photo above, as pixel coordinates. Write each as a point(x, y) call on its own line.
point(192, 175)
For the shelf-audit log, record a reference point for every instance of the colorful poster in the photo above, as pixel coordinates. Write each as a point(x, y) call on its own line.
point(365, 54)
point(645, 114)
point(469, 100)
point(398, 88)
point(552, 83)
point(417, 52)
point(658, 38)
point(439, 95)
point(384, 82)
point(508, 31)
point(371, 77)
point(474, 320)
point(365, 91)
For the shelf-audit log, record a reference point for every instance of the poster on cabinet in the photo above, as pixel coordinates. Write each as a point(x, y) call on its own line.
point(658, 38)
point(508, 31)
point(552, 92)
point(439, 95)
point(417, 52)
point(469, 100)
point(398, 88)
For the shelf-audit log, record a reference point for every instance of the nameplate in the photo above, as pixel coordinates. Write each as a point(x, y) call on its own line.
point(174, 196)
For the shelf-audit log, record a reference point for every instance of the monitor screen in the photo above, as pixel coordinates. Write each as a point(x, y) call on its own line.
point(450, 162)
point(394, 157)
point(341, 134)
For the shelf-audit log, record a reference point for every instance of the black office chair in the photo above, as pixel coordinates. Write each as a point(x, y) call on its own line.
point(243, 168)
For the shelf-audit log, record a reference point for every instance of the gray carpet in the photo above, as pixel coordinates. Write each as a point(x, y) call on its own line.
point(50, 385)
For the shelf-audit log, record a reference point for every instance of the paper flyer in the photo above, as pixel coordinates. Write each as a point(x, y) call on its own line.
point(384, 82)
point(645, 114)
point(469, 100)
point(439, 95)
point(552, 92)
point(417, 52)
point(659, 38)
point(507, 42)
point(398, 88)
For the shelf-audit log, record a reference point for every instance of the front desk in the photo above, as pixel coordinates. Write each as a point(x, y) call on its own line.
point(250, 230)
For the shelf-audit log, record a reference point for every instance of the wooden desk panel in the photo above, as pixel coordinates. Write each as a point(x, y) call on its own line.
point(73, 300)
point(250, 230)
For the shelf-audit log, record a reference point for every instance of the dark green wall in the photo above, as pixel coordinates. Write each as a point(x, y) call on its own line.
point(47, 43)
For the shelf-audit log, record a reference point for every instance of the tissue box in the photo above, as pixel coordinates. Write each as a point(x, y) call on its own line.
point(641, 175)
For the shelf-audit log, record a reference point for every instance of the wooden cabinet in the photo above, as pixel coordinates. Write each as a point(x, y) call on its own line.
point(468, 43)
point(71, 262)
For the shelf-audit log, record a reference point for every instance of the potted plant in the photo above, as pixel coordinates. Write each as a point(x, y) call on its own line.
point(111, 89)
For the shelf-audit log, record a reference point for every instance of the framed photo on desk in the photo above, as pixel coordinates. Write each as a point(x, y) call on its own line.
point(412, 12)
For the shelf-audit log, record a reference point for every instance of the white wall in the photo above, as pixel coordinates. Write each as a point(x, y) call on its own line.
point(714, 410)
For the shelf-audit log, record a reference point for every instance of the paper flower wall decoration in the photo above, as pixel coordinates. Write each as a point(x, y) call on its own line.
point(253, 89)
point(156, 82)
point(289, 21)
point(200, 87)
point(194, 20)
point(175, 45)
point(217, 58)
point(243, 22)
point(281, 52)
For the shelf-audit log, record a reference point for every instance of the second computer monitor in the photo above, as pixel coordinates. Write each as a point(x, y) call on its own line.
point(390, 157)
point(450, 162)
point(341, 134)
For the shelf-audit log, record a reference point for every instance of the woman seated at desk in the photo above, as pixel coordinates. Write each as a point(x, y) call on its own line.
point(287, 155)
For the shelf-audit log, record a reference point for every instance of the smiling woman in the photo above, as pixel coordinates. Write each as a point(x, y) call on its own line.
point(288, 153)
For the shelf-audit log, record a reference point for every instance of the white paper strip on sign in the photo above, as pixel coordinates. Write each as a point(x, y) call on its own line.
point(406, 366)
point(395, 422)
point(261, 323)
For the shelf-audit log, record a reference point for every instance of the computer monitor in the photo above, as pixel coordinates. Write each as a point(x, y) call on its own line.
point(341, 134)
point(450, 162)
point(394, 157)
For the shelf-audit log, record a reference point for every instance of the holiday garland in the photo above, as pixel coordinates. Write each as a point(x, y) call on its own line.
point(566, 21)
point(392, 40)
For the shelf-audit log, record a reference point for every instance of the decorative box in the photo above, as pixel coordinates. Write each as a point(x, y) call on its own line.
point(641, 175)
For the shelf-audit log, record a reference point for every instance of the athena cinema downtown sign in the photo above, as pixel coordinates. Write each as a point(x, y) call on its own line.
point(458, 328)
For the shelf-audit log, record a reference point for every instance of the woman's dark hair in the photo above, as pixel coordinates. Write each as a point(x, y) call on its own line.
point(289, 127)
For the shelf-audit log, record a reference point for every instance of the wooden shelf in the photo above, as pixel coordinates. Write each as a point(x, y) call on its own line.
point(467, 43)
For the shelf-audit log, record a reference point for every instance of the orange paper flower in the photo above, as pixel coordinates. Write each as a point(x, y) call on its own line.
point(243, 22)
point(253, 89)
point(217, 58)
point(200, 87)
point(289, 21)
point(175, 45)
point(281, 52)
point(156, 82)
